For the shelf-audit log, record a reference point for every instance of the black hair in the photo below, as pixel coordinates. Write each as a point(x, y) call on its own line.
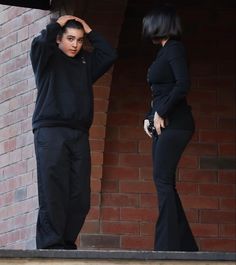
point(70, 24)
point(162, 23)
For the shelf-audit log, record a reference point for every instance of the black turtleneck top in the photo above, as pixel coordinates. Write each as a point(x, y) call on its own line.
point(169, 80)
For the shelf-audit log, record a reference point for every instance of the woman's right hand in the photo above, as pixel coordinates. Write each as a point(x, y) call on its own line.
point(146, 123)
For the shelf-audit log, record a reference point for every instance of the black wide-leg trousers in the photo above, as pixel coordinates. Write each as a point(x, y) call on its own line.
point(63, 170)
point(172, 229)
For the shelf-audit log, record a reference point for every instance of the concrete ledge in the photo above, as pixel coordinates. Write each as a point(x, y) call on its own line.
point(116, 255)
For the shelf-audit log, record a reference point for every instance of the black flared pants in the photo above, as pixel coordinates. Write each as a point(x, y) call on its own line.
point(63, 171)
point(172, 229)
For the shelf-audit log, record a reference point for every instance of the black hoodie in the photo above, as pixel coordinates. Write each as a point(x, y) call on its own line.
point(65, 96)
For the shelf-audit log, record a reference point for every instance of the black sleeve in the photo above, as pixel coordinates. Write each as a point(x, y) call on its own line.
point(43, 46)
point(177, 59)
point(103, 55)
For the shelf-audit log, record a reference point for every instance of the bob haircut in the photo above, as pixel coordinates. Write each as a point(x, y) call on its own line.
point(162, 23)
point(70, 24)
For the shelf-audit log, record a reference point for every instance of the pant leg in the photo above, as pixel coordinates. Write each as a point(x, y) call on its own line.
point(53, 168)
point(172, 229)
point(79, 199)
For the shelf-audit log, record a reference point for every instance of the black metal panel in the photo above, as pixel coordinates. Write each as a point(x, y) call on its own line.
point(39, 4)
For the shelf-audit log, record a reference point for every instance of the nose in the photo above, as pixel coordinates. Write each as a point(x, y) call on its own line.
point(74, 44)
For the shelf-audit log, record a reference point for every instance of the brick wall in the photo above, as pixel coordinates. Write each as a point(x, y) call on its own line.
point(123, 208)
point(18, 187)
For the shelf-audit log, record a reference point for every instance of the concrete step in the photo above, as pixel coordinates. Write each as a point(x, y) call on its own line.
point(113, 257)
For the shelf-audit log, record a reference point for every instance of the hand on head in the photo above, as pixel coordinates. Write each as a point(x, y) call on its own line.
point(63, 19)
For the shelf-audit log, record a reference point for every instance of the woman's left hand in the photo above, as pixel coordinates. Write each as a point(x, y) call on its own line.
point(159, 123)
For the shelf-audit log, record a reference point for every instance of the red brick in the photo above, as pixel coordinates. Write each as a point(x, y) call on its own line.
point(217, 109)
point(97, 145)
point(101, 91)
point(96, 171)
point(95, 185)
point(99, 119)
point(125, 119)
point(227, 176)
point(203, 70)
point(216, 190)
point(100, 105)
point(130, 133)
point(112, 132)
point(138, 214)
point(95, 199)
point(137, 187)
point(227, 149)
point(188, 161)
point(228, 203)
point(203, 96)
point(110, 213)
point(145, 146)
point(15, 169)
point(227, 96)
point(26, 125)
point(147, 229)
point(227, 230)
point(200, 202)
point(227, 124)
point(187, 188)
point(137, 242)
point(97, 158)
point(10, 145)
point(148, 200)
point(119, 200)
point(217, 217)
point(90, 227)
point(201, 149)
point(93, 214)
point(218, 245)
point(206, 122)
point(198, 176)
point(135, 160)
point(118, 228)
point(111, 159)
point(127, 173)
point(192, 215)
point(146, 173)
point(97, 132)
point(217, 136)
point(121, 146)
point(110, 186)
point(205, 230)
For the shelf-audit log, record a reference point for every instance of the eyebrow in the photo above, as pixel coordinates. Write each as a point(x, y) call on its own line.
point(72, 36)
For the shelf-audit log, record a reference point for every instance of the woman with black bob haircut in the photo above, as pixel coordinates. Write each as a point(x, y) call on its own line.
point(162, 23)
point(170, 124)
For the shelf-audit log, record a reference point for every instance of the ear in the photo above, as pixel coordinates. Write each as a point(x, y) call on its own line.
point(58, 39)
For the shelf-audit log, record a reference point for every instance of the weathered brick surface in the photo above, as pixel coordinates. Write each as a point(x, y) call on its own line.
point(124, 204)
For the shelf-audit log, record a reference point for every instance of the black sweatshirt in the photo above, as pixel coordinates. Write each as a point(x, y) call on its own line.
point(65, 96)
point(169, 80)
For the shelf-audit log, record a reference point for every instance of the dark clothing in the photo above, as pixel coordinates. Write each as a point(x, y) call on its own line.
point(65, 96)
point(63, 169)
point(61, 121)
point(169, 80)
point(172, 229)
